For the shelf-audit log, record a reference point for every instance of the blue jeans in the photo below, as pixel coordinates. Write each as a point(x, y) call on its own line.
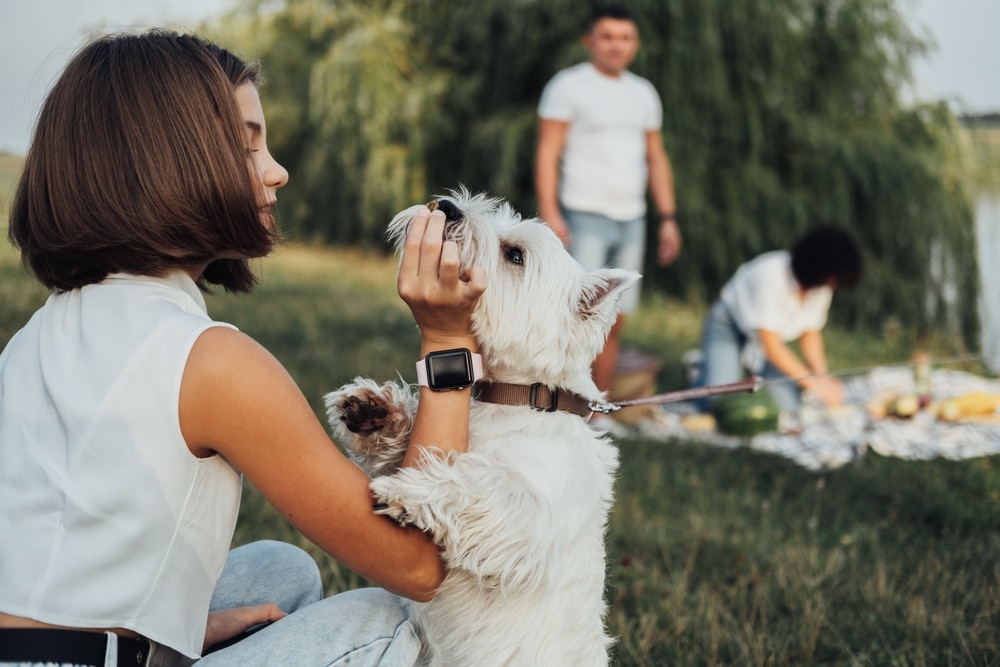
point(599, 242)
point(367, 626)
point(361, 628)
point(722, 346)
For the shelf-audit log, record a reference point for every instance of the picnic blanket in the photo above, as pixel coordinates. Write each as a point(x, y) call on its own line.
point(820, 439)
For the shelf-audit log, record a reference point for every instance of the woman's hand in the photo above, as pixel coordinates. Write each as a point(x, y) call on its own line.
point(826, 388)
point(441, 297)
point(229, 623)
point(431, 282)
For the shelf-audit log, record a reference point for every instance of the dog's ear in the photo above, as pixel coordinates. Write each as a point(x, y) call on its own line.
point(603, 289)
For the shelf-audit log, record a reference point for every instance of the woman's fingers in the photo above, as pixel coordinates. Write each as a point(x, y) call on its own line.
point(440, 293)
point(421, 249)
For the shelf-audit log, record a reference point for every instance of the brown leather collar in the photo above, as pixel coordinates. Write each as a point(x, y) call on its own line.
point(536, 396)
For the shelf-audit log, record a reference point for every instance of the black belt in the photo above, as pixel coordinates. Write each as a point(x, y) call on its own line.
point(77, 647)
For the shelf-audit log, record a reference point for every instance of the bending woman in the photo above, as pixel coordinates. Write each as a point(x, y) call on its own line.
point(128, 416)
point(779, 297)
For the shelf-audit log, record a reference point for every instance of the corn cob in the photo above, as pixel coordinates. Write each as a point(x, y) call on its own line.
point(968, 405)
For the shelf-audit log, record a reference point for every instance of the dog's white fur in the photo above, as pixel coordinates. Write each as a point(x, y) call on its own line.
point(521, 517)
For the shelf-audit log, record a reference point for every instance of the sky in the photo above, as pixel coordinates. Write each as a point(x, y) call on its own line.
point(37, 37)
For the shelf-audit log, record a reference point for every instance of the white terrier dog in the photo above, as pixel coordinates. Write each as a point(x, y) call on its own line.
point(521, 517)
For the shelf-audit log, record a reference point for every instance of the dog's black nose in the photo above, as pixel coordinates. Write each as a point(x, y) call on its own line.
point(452, 213)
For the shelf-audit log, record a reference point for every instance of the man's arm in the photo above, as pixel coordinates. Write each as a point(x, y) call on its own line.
point(551, 139)
point(661, 188)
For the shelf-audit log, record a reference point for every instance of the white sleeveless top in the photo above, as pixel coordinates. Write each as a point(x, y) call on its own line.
point(604, 167)
point(106, 518)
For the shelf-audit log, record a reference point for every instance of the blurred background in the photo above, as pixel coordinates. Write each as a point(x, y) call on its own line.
point(880, 115)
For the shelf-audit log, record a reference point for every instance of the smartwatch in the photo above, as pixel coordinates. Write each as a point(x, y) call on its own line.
point(449, 369)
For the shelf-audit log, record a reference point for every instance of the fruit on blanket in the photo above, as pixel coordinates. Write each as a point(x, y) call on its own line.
point(877, 406)
point(973, 404)
point(838, 412)
point(904, 406)
point(948, 411)
point(746, 414)
point(698, 423)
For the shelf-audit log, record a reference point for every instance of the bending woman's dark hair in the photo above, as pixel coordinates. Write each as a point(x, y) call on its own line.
point(139, 164)
point(824, 254)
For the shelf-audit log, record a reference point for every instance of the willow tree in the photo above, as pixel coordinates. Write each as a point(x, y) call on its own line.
point(788, 115)
point(778, 115)
point(349, 105)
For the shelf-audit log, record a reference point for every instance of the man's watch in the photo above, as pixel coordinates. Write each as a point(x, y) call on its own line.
point(449, 369)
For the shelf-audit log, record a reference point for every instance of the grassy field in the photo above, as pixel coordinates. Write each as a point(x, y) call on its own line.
point(983, 134)
point(10, 167)
point(716, 557)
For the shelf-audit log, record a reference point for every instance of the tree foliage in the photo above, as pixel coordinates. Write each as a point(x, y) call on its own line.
point(778, 115)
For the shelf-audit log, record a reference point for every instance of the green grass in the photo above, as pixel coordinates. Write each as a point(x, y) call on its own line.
point(732, 558)
point(984, 156)
point(716, 556)
point(10, 167)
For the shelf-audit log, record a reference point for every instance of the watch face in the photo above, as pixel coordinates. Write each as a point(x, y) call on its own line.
point(449, 370)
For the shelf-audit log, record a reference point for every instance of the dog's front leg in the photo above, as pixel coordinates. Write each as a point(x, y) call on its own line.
point(373, 422)
point(487, 523)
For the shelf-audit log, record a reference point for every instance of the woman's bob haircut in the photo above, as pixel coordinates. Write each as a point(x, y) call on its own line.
point(139, 164)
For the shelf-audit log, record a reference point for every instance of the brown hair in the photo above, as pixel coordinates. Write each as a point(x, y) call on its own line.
point(139, 164)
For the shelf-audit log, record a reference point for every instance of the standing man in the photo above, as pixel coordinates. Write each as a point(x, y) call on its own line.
point(599, 148)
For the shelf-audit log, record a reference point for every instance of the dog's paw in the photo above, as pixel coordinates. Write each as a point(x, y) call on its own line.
point(363, 415)
point(373, 422)
point(396, 512)
point(388, 501)
point(364, 408)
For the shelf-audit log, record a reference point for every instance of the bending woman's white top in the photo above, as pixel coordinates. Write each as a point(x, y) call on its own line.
point(763, 294)
point(107, 518)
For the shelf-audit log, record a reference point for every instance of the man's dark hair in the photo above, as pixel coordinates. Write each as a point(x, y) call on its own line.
point(617, 12)
point(825, 253)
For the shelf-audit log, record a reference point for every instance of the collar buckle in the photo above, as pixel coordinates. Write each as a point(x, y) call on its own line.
point(533, 398)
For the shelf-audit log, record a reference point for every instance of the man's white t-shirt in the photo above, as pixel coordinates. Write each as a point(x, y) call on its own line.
point(763, 294)
point(604, 167)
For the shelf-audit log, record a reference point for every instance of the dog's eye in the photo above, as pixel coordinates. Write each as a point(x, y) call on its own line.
point(514, 255)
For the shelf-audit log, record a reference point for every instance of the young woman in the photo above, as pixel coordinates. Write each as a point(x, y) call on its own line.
point(127, 416)
point(775, 298)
